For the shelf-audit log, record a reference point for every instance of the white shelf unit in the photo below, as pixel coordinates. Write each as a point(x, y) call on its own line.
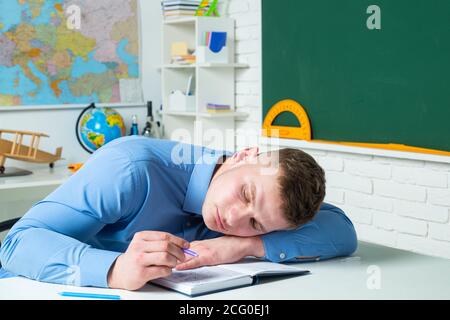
point(214, 83)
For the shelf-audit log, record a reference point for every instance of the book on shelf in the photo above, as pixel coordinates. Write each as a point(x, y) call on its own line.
point(181, 2)
point(218, 111)
point(185, 59)
point(179, 5)
point(181, 8)
point(179, 13)
point(217, 108)
point(205, 280)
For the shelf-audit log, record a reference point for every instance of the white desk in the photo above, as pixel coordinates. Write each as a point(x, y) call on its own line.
point(40, 178)
point(404, 275)
point(18, 194)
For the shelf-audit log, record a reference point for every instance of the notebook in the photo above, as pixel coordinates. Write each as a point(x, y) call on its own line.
point(224, 277)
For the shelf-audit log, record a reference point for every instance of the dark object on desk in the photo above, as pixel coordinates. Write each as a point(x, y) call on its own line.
point(13, 172)
point(6, 225)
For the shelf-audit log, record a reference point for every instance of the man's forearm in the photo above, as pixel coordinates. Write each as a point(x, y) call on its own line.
point(48, 256)
point(253, 246)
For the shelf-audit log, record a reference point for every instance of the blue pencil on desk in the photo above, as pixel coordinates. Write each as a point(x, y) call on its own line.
point(89, 295)
point(190, 252)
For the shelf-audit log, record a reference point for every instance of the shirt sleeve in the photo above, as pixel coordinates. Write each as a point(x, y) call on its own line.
point(48, 243)
point(330, 234)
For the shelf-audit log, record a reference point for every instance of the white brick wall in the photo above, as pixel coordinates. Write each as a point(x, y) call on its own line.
point(394, 202)
point(399, 191)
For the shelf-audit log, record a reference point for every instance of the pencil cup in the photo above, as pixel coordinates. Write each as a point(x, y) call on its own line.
point(178, 101)
point(206, 55)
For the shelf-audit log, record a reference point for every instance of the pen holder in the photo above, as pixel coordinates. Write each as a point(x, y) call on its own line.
point(178, 101)
point(206, 55)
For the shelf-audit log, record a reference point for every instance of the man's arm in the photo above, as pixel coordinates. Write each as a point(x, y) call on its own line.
point(330, 234)
point(47, 244)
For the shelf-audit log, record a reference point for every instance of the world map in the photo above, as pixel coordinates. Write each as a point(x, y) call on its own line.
point(68, 51)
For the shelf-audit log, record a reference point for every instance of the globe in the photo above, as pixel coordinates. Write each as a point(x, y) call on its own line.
point(96, 127)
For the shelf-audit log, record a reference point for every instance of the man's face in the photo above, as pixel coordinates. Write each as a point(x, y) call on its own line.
point(244, 198)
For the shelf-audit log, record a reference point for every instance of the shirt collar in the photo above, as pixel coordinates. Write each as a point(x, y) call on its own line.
point(199, 181)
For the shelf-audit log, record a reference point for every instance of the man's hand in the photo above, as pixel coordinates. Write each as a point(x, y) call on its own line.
point(150, 255)
point(227, 249)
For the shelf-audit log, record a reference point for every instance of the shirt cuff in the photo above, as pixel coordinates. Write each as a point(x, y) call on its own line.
point(278, 249)
point(94, 267)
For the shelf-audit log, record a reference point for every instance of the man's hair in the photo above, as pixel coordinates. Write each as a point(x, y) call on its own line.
point(302, 183)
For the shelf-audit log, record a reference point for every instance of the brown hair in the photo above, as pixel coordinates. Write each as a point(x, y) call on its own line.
point(302, 183)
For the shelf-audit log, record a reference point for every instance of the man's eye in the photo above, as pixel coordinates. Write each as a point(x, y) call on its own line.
point(254, 224)
point(245, 195)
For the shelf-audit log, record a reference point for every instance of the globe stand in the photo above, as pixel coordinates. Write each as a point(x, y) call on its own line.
point(77, 133)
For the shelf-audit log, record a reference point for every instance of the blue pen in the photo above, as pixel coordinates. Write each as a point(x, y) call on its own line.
point(89, 295)
point(190, 252)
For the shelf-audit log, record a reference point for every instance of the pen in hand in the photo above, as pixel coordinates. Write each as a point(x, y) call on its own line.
point(190, 252)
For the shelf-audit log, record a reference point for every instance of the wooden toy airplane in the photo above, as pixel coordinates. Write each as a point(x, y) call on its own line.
point(15, 149)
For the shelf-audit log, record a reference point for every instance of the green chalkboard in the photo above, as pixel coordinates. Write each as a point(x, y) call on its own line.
point(388, 85)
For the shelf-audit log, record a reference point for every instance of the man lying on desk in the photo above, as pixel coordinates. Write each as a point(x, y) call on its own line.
point(123, 219)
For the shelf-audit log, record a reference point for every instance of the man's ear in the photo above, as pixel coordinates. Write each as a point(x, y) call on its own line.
point(247, 155)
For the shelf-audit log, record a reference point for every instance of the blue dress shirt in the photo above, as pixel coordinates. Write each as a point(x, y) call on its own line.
point(133, 184)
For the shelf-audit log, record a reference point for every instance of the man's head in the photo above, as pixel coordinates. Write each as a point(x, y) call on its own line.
point(256, 193)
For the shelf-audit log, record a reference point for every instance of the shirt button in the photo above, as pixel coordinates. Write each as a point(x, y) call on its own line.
point(282, 255)
point(188, 224)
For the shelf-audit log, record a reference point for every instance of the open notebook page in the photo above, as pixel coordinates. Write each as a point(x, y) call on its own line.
point(216, 278)
point(202, 275)
point(205, 279)
point(261, 268)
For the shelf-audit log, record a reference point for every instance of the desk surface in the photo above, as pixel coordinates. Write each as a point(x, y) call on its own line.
point(403, 275)
point(40, 177)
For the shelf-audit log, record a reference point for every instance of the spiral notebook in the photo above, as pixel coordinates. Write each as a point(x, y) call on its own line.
point(206, 280)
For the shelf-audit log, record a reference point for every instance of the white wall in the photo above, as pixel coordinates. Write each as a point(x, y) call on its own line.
point(397, 203)
point(60, 123)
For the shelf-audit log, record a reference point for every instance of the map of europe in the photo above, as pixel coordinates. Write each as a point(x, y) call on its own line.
point(68, 51)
